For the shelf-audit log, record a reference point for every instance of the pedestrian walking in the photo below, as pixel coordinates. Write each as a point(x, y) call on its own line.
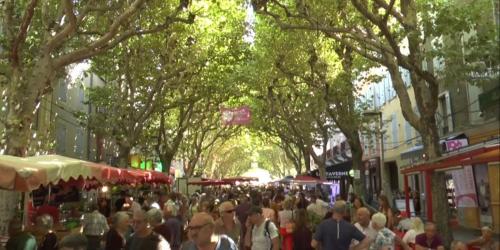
point(385, 208)
point(46, 238)
point(144, 238)
point(364, 225)
point(115, 238)
point(336, 233)
point(228, 224)
point(385, 238)
point(74, 242)
point(201, 232)
point(261, 234)
point(302, 234)
point(429, 239)
point(18, 238)
point(94, 226)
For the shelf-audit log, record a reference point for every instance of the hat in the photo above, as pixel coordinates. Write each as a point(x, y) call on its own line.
point(254, 210)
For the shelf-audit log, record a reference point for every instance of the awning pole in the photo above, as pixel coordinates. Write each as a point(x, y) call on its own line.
point(407, 196)
point(428, 194)
point(50, 192)
point(26, 197)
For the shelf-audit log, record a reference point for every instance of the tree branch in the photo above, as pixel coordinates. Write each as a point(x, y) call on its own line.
point(21, 34)
point(104, 43)
point(69, 28)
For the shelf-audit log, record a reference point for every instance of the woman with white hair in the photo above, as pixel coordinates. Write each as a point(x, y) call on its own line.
point(417, 227)
point(385, 238)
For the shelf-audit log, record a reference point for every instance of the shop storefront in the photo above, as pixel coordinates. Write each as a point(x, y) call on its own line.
point(472, 184)
point(339, 174)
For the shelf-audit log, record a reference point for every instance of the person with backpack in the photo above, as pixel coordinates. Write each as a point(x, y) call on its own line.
point(201, 231)
point(261, 234)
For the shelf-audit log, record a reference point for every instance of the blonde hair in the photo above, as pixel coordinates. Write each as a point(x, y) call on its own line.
point(417, 224)
point(288, 204)
point(379, 219)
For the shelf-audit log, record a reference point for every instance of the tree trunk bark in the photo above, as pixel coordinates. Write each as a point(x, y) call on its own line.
point(440, 208)
point(123, 156)
point(307, 159)
point(24, 91)
point(357, 163)
point(166, 160)
point(190, 168)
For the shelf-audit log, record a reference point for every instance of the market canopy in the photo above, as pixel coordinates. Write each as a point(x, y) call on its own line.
point(233, 180)
point(208, 182)
point(29, 173)
point(306, 180)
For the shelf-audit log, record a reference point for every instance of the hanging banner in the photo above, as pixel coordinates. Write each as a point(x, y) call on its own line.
point(452, 145)
point(465, 190)
point(236, 116)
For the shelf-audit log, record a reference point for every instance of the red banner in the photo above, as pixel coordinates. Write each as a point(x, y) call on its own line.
point(236, 116)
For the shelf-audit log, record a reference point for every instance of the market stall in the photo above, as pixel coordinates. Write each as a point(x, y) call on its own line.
point(67, 183)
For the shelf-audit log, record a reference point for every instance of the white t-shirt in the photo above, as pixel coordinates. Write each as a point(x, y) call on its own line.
point(410, 236)
point(368, 232)
point(260, 241)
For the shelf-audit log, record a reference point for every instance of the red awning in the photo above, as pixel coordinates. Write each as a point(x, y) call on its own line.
point(240, 179)
point(306, 179)
point(475, 154)
point(208, 183)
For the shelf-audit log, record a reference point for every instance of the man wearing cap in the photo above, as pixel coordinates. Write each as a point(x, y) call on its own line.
point(336, 233)
point(261, 234)
point(227, 223)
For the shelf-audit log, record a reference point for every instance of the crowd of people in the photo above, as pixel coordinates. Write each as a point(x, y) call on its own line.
point(242, 217)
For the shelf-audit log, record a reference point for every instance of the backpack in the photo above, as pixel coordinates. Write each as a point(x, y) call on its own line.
point(266, 232)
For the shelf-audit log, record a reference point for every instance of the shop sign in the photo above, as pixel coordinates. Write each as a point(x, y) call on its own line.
point(452, 145)
point(336, 175)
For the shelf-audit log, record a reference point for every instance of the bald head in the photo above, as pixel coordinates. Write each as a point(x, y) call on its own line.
point(202, 219)
point(201, 228)
point(363, 215)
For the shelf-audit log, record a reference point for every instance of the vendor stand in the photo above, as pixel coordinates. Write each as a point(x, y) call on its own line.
point(27, 174)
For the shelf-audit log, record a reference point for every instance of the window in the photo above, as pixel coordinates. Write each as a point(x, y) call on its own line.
point(79, 142)
point(81, 94)
point(408, 132)
point(60, 138)
point(62, 90)
point(444, 119)
point(394, 128)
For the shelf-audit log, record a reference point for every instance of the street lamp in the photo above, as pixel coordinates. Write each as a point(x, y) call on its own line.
point(383, 171)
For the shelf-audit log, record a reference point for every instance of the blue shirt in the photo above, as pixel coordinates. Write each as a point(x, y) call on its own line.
point(337, 235)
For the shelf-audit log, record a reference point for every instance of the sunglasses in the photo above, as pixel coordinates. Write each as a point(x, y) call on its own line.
point(196, 228)
point(229, 211)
